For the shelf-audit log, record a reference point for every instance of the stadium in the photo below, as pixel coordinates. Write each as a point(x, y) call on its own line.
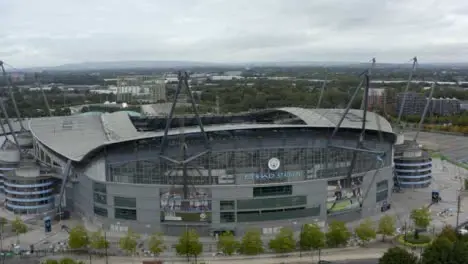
point(268, 169)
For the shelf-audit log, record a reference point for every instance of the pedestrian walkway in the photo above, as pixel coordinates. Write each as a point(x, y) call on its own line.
point(330, 255)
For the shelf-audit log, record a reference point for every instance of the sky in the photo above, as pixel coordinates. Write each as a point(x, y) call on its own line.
point(55, 32)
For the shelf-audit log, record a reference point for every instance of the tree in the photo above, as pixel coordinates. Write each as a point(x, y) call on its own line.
point(189, 245)
point(128, 243)
point(98, 241)
point(338, 234)
point(438, 252)
point(228, 244)
point(442, 251)
point(156, 244)
point(311, 237)
point(366, 231)
point(50, 261)
point(251, 243)
point(421, 218)
point(449, 233)
point(78, 238)
point(397, 255)
point(18, 227)
point(283, 242)
point(386, 226)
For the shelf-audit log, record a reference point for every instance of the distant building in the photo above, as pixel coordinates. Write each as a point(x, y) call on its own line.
point(415, 104)
point(445, 106)
point(17, 77)
point(464, 106)
point(376, 98)
point(233, 73)
point(148, 88)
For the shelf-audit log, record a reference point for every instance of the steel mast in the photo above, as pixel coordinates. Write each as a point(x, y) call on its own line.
point(44, 97)
point(410, 78)
point(5, 113)
point(12, 96)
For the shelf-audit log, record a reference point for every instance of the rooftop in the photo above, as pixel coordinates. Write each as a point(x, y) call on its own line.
point(75, 136)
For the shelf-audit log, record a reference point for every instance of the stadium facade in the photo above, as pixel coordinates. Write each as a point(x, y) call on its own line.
point(268, 169)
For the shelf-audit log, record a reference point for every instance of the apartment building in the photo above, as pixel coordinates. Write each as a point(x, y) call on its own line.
point(415, 103)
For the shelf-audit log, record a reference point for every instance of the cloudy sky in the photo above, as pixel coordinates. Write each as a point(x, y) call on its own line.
point(54, 32)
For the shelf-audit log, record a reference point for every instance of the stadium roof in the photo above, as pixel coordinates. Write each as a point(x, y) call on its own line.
point(75, 136)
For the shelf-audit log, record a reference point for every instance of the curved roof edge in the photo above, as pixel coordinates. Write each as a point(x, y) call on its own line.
point(89, 134)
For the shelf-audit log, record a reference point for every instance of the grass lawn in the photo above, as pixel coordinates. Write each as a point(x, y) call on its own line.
point(342, 205)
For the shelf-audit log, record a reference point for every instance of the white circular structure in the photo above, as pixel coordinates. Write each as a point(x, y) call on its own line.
point(274, 164)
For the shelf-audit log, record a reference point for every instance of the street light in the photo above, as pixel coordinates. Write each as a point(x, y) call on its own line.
point(106, 246)
point(89, 248)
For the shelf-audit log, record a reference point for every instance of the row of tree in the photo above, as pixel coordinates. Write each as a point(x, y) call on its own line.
point(63, 261)
point(448, 247)
point(311, 238)
point(189, 245)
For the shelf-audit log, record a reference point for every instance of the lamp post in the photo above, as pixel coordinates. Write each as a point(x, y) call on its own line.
point(89, 249)
point(106, 246)
point(300, 241)
point(458, 207)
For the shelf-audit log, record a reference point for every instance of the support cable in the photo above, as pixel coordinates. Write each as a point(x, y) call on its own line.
point(46, 102)
point(322, 89)
point(423, 116)
point(410, 78)
point(12, 96)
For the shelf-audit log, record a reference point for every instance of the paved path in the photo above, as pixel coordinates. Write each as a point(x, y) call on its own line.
point(340, 256)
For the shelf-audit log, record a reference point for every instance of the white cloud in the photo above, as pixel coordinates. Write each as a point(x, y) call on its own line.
point(51, 32)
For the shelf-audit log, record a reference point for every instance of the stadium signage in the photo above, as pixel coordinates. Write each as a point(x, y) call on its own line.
point(274, 164)
point(272, 175)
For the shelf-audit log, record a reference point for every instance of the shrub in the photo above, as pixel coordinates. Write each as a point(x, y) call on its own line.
point(411, 241)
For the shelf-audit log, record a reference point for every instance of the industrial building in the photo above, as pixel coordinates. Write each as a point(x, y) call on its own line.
point(267, 169)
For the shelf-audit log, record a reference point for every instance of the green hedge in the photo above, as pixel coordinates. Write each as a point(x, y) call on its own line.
point(422, 241)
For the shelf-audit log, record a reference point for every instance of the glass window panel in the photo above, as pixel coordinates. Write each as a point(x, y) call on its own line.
point(271, 202)
point(272, 190)
point(291, 213)
point(124, 202)
point(382, 186)
point(226, 205)
point(99, 187)
point(100, 198)
point(227, 217)
point(126, 214)
point(382, 196)
point(100, 211)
